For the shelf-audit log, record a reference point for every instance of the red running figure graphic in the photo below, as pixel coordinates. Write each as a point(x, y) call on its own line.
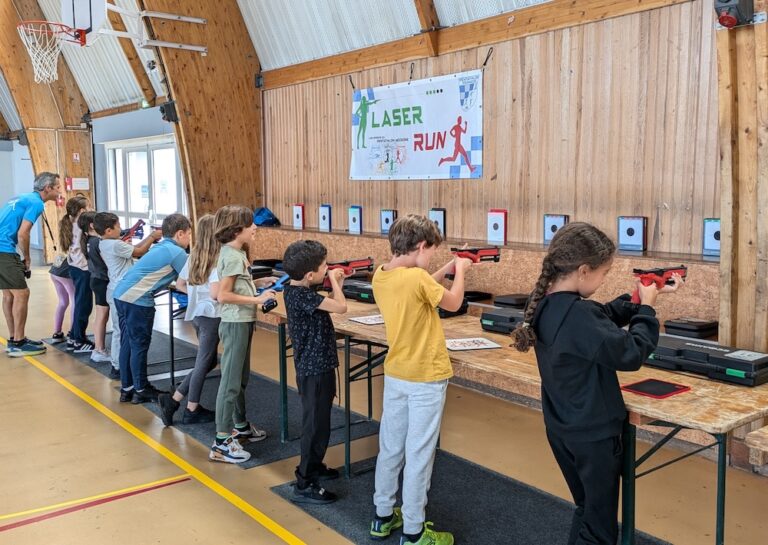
point(456, 131)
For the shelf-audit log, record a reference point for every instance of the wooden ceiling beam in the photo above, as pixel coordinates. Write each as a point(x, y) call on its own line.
point(429, 22)
point(529, 21)
point(407, 49)
point(427, 13)
point(541, 18)
point(133, 57)
point(125, 108)
point(4, 128)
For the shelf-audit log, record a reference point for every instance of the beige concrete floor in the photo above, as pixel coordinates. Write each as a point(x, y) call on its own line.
point(61, 448)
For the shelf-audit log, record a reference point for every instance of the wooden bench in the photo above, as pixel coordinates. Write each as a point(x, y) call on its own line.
point(757, 441)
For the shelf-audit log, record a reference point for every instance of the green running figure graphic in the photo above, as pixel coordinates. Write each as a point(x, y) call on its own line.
point(362, 112)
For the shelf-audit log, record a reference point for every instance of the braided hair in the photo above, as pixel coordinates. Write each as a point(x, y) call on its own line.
point(574, 245)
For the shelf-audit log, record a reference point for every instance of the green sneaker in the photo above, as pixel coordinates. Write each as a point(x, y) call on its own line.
point(381, 529)
point(430, 537)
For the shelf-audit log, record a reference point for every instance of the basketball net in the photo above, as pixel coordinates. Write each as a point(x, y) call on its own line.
point(43, 41)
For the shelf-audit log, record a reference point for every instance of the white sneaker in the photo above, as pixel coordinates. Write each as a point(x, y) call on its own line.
point(230, 452)
point(100, 357)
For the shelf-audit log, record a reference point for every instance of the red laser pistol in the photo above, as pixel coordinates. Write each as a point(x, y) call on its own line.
point(349, 267)
point(475, 255)
point(660, 277)
point(127, 234)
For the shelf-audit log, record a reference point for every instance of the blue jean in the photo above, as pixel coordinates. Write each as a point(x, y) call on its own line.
point(135, 335)
point(83, 303)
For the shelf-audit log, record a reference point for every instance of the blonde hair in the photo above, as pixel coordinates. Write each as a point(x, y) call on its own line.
point(204, 253)
point(574, 245)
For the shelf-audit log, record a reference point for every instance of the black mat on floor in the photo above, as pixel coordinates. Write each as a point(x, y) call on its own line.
point(262, 401)
point(158, 357)
point(477, 505)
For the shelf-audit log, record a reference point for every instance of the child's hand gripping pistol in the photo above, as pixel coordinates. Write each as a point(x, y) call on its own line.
point(350, 267)
point(475, 255)
point(660, 277)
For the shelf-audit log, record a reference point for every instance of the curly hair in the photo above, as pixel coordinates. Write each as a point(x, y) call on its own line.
point(574, 245)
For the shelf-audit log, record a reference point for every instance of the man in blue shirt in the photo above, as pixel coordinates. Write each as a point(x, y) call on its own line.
point(16, 220)
point(135, 303)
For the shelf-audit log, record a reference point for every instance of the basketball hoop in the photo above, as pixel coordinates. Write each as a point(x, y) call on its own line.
point(43, 41)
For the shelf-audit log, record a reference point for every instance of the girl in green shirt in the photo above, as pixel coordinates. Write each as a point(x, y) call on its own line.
point(234, 229)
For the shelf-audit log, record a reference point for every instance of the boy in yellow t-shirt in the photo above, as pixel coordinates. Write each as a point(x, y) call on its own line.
point(416, 369)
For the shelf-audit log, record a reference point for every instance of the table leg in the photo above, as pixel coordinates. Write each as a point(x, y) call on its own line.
point(721, 467)
point(283, 365)
point(629, 437)
point(170, 333)
point(347, 409)
point(370, 386)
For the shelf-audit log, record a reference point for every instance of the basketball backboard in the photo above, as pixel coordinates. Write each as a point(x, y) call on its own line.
point(87, 15)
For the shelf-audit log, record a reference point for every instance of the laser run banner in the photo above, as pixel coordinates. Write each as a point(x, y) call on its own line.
point(420, 130)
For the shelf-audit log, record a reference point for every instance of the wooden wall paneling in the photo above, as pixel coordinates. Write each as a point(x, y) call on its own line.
point(742, 55)
point(747, 180)
point(219, 107)
point(729, 197)
point(761, 276)
point(593, 121)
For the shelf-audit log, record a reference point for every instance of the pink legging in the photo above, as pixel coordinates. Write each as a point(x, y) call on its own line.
point(65, 289)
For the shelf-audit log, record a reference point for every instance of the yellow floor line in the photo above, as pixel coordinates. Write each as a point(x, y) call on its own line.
point(92, 498)
point(181, 463)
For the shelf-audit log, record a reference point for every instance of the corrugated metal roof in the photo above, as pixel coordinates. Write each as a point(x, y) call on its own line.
point(8, 107)
point(456, 12)
point(146, 55)
point(101, 70)
point(286, 33)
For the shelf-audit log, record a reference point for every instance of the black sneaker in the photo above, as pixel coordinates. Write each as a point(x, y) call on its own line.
point(328, 474)
point(70, 344)
point(126, 395)
point(168, 407)
point(314, 493)
point(148, 394)
point(114, 373)
point(198, 416)
point(57, 338)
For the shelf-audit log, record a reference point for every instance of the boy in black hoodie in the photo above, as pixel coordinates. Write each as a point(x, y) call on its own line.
point(580, 344)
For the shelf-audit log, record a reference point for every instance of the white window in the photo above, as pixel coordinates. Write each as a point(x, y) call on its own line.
point(144, 180)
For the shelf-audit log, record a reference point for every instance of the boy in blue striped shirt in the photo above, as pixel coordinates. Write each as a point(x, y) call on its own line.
point(135, 303)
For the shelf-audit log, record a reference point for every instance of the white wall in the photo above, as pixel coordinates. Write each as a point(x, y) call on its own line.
point(16, 177)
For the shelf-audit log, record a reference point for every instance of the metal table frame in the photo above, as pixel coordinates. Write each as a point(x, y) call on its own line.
point(352, 373)
point(630, 475)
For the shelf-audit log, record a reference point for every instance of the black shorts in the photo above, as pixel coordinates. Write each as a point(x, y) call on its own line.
point(99, 289)
point(11, 272)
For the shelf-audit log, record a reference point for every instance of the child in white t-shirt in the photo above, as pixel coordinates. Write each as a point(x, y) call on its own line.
point(118, 257)
point(200, 280)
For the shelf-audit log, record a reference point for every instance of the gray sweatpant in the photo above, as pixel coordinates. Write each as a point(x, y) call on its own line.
point(207, 330)
point(114, 351)
point(410, 427)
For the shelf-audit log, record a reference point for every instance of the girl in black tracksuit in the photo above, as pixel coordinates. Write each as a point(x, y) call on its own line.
point(580, 344)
